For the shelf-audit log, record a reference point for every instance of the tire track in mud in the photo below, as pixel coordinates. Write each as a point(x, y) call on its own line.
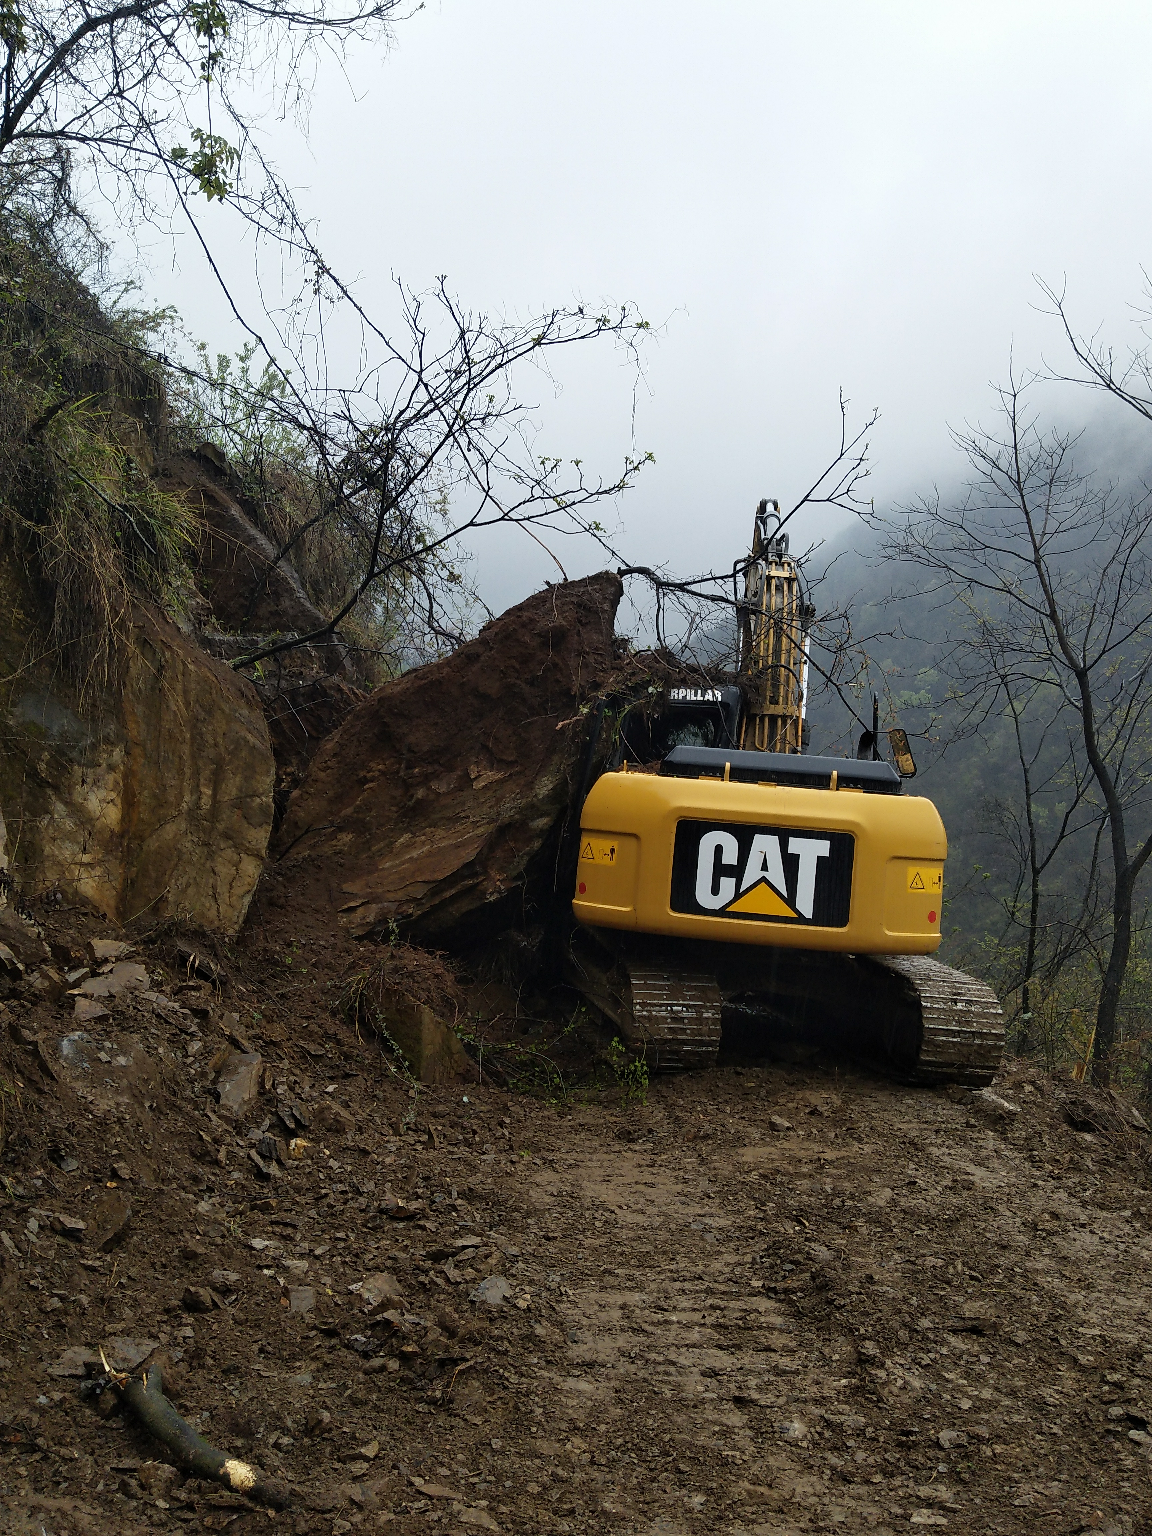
point(888, 1312)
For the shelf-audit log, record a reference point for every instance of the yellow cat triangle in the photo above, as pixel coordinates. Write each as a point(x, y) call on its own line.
point(761, 901)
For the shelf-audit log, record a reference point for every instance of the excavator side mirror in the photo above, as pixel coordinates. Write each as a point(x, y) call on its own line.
point(901, 752)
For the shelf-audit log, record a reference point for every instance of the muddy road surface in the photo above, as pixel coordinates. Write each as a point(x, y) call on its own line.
point(765, 1300)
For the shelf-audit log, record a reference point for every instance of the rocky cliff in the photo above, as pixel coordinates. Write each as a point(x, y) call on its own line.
point(153, 795)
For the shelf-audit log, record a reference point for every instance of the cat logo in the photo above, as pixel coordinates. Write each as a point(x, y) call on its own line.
point(766, 874)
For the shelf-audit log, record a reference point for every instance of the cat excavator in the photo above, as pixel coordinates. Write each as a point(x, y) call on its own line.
point(729, 880)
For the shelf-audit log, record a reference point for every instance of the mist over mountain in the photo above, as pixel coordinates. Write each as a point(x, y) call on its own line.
point(908, 628)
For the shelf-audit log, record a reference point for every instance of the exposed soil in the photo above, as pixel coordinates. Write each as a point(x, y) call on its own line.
point(771, 1298)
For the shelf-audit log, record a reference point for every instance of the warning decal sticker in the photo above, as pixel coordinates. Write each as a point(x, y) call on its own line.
point(930, 881)
point(599, 850)
point(768, 874)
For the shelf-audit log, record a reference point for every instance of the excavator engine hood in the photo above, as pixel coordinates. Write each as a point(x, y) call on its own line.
point(766, 849)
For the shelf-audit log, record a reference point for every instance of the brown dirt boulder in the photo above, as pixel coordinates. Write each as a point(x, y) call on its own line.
point(428, 805)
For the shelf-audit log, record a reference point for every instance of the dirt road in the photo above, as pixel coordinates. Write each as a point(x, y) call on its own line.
point(767, 1300)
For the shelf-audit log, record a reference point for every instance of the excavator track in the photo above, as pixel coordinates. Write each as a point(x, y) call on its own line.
point(677, 1017)
point(961, 1024)
point(926, 1022)
point(668, 1015)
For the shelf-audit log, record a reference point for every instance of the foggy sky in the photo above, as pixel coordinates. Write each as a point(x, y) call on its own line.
point(805, 197)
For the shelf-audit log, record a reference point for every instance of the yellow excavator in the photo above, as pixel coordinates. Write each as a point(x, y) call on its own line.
point(728, 879)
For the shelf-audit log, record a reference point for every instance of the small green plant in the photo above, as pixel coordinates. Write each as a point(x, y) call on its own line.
point(630, 1072)
point(527, 1064)
point(360, 1008)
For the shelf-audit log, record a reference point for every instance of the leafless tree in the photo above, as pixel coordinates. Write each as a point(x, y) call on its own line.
point(424, 437)
point(697, 615)
point(1040, 824)
point(1061, 567)
point(154, 86)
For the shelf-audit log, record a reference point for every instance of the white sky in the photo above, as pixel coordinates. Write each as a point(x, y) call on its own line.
point(811, 195)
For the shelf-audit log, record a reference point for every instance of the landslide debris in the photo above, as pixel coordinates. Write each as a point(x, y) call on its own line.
point(767, 1300)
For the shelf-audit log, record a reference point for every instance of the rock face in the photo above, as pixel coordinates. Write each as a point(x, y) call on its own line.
point(157, 800)
point(236, 567)
point(428, 805)
point(251, 597)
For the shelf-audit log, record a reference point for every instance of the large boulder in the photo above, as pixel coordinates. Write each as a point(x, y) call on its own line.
point(155, 796)
point(428, 806)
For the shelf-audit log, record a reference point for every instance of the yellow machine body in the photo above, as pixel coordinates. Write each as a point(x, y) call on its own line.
point(744, 863)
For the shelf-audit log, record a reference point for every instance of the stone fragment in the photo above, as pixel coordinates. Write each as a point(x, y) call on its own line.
point(301, 1298)
point(974, 1317)
point(107, 951)
point(10, 967)
point(75, 1361)
point(794, 1431)
point(949, 1439)
point(273, 1150)
point(125, 1353)
point(334, 1119)
point(259, 1167)
point(69, 1226)
point(172, 1013)
point(367, 1452)
point(87, 1010)
point(126, 976)
point(380, 1287)
point(434, 1490)
point(22, 939)
point(196, 1298)
point(431, 1048)
point(111, 1219)
point(477, 1517)
point(158, 1478)
point(402, 1210)
point(935, 1493)
point(778, 1123)
point(49, 984)
point(225, 1279)
point(230, 1025)
point(927, 1517)
point(493, 1291)
point(239, 1082)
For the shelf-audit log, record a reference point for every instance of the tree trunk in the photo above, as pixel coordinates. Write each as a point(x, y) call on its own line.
point(1113, 983)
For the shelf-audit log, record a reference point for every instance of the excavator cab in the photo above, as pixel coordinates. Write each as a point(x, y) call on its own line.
point(685, 716)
